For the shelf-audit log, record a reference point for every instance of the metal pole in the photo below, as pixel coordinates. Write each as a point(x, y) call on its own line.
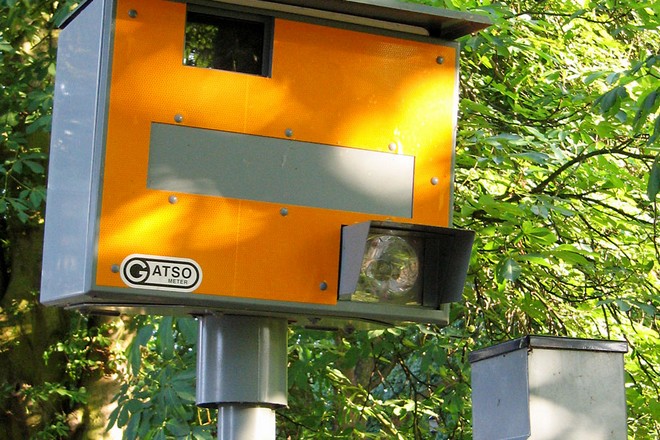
point(241, 370)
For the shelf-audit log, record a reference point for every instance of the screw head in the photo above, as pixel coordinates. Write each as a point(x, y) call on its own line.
point(178, 118)
point(114, 268)
point(288, 132)
point(435, 181)
point(392, 146)
point(172, 199)
point(284, 212)
point(132, 13)
point(440, 60)
point(323, 286)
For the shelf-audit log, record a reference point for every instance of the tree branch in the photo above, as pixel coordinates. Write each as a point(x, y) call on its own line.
point(577, 159)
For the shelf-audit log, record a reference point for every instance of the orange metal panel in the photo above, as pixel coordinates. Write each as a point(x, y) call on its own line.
point(329, 85)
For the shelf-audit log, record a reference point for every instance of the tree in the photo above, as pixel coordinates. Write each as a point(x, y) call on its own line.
point(564, 195)
point(47, 355)
point(556, 171)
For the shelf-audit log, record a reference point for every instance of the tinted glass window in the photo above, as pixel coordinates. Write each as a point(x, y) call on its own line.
point(226, 43)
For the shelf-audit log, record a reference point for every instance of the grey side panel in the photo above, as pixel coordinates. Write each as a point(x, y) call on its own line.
point(500, 397)
point(577, 395)
point(74, 168)
point(218, 163)
point(353, 244)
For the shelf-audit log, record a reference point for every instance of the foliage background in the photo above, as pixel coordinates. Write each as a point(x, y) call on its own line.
point(557, 171)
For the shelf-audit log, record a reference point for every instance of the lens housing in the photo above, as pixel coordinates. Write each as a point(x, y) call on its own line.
point(401, 264)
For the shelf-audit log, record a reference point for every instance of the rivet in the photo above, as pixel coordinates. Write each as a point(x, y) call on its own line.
point(114, 268)
point(132, 13)
point(434, 181)
point(284, 212)
point(323, 286)
point(178, 118)
point(392, 146)
point(440, 60)
point(172, 199)
point(288, 132)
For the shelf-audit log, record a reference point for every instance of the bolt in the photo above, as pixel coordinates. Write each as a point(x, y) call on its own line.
point(172, 199)
point(434, 181)
point(178, 118)
point(323, 286)
point(288, 132)
point(392, 146)
point(132, 13)
point(284, 212)
point(114, 268)
point(440, 60)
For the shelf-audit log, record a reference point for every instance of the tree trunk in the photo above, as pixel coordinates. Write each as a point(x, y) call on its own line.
point(28, 329)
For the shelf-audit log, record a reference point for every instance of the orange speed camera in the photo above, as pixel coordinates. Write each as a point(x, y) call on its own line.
point(207, 157)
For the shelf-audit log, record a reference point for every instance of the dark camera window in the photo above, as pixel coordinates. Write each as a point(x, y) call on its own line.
point(228, 43)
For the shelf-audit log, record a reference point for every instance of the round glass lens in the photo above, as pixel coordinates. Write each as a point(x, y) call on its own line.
point(389, 271)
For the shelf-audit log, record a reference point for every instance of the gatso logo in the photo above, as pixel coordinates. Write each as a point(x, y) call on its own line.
point(160, 273)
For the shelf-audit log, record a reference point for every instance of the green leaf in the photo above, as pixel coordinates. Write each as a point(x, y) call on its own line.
point(509, 270)
point(571, 257)
point(183, 384)
point(132, 426)
point(612, 78)
point(578, 13)
point(649, 105)
point(34, 166)
point(176, 428)
point(189, 328)
point(610, 101)
point(624, 306)
point(536, 259)
point(123, 418)
point(621, 116)
point(134, 354)
point(112, 420)
point(35, 197)
point(534, 156)
point(648, 309)
point(199, 433)
point(656, 131)
point(165, 337)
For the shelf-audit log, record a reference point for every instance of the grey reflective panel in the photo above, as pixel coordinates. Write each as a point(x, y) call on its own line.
point(240, 166)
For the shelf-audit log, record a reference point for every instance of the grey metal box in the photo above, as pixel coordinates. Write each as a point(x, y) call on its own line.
point(549, 388)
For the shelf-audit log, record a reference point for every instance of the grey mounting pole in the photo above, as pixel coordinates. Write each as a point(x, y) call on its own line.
point(241, 370)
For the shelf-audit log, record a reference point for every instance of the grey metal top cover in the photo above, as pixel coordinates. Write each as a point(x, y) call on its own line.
point(549, 342)
point(440, 23)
